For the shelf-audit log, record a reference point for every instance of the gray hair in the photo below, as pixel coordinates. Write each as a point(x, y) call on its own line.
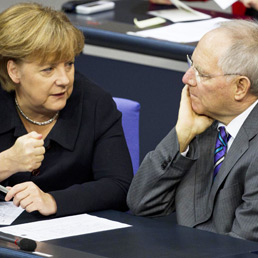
point(242, 56)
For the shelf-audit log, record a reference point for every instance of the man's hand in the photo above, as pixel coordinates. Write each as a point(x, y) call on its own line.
point(250, 4)
point(189, 124)
point(26, 154)
point(31, 198)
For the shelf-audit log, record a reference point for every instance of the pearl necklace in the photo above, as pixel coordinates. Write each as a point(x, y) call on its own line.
point(35, 122)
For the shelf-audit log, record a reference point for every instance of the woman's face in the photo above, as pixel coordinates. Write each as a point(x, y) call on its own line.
point(42, 89)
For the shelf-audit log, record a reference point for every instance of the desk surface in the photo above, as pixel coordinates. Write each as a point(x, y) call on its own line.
point(108, 29)
point(160, 237)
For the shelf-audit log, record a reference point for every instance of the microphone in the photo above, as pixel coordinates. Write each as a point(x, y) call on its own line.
point(24, 243)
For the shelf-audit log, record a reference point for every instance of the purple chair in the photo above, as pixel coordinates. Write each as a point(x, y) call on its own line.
point(130, 120)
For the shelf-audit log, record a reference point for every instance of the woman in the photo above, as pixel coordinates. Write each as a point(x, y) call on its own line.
point(62, 148)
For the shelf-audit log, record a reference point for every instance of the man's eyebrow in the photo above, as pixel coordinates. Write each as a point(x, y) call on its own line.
point(199, 69)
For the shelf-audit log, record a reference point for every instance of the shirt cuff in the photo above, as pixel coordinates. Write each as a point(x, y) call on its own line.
point(185, 152)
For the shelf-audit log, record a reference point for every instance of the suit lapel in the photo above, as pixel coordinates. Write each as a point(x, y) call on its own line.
point(236, 151)
point(204, 172)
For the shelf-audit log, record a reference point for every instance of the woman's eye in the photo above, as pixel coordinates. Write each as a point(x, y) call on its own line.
point(70, 63)
point(48, 69)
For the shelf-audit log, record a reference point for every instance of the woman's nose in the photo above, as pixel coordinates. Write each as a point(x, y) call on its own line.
point(62, 77)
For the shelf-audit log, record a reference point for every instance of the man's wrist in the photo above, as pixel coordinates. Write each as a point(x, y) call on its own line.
point(184, 138)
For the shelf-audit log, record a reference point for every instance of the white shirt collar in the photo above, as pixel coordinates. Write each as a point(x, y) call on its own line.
point(234, 126)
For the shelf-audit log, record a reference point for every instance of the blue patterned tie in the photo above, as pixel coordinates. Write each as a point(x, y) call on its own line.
point(220, 149)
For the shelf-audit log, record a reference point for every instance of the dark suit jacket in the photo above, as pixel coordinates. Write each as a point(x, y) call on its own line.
point(166, 182)
point(87, 166)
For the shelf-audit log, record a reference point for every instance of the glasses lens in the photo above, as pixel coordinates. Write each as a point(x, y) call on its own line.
point(189, 61)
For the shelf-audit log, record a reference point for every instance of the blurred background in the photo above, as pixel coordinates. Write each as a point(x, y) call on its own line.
point(58, 3)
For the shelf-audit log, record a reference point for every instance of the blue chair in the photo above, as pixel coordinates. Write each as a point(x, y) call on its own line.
point(130, 121)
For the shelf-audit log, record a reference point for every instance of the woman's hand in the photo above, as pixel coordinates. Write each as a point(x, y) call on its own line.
point(26, 154)
point(31, 198)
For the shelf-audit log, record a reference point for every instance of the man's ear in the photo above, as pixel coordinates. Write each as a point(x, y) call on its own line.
point(13, 71)
point(243, 85)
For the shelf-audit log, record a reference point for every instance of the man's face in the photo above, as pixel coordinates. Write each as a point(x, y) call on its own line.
point(212, 93)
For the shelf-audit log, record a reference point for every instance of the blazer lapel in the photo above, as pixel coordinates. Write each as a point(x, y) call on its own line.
point(236, 151)
point(204, 172)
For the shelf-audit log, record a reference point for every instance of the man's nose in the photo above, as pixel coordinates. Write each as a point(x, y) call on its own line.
point(189, 77)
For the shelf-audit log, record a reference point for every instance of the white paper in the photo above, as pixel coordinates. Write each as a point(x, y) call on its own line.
point(183, 6)
point(63, 227)
point(148, 22)
point(182, 32)
point(179, 15)
point(224, 3)
point(182, 13)
point(9, 212)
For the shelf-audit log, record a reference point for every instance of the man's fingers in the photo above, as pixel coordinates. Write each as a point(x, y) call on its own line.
point(185, 91)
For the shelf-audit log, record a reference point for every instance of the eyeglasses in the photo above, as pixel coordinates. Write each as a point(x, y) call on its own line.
point(201, 75)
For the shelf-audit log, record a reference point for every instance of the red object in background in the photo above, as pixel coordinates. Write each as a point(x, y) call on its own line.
point(238, 8)
point(194, 0)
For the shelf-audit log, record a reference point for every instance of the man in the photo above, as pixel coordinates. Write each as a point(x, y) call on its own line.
point(183, 173)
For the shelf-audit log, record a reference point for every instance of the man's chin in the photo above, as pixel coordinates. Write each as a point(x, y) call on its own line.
point(200, 112)
point(197, 110)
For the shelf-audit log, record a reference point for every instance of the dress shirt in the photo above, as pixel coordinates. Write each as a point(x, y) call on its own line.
point(234, 126)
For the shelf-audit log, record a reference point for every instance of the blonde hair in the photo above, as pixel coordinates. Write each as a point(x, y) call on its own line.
point(32, 32)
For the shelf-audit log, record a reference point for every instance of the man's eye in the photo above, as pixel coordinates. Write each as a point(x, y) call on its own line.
point(205, 75)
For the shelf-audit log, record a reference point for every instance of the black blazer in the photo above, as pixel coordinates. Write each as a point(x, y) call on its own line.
point(87, 166)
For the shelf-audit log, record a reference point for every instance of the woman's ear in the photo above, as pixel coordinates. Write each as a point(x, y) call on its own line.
point(13, 71)
point(243, 85)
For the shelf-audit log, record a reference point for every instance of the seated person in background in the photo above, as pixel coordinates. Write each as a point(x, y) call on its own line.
point(251, 5)
point(217, 120)
point(62, 147)
point(168, 2)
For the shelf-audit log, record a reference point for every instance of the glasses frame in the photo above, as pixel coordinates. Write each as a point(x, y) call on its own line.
point(200, 75)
